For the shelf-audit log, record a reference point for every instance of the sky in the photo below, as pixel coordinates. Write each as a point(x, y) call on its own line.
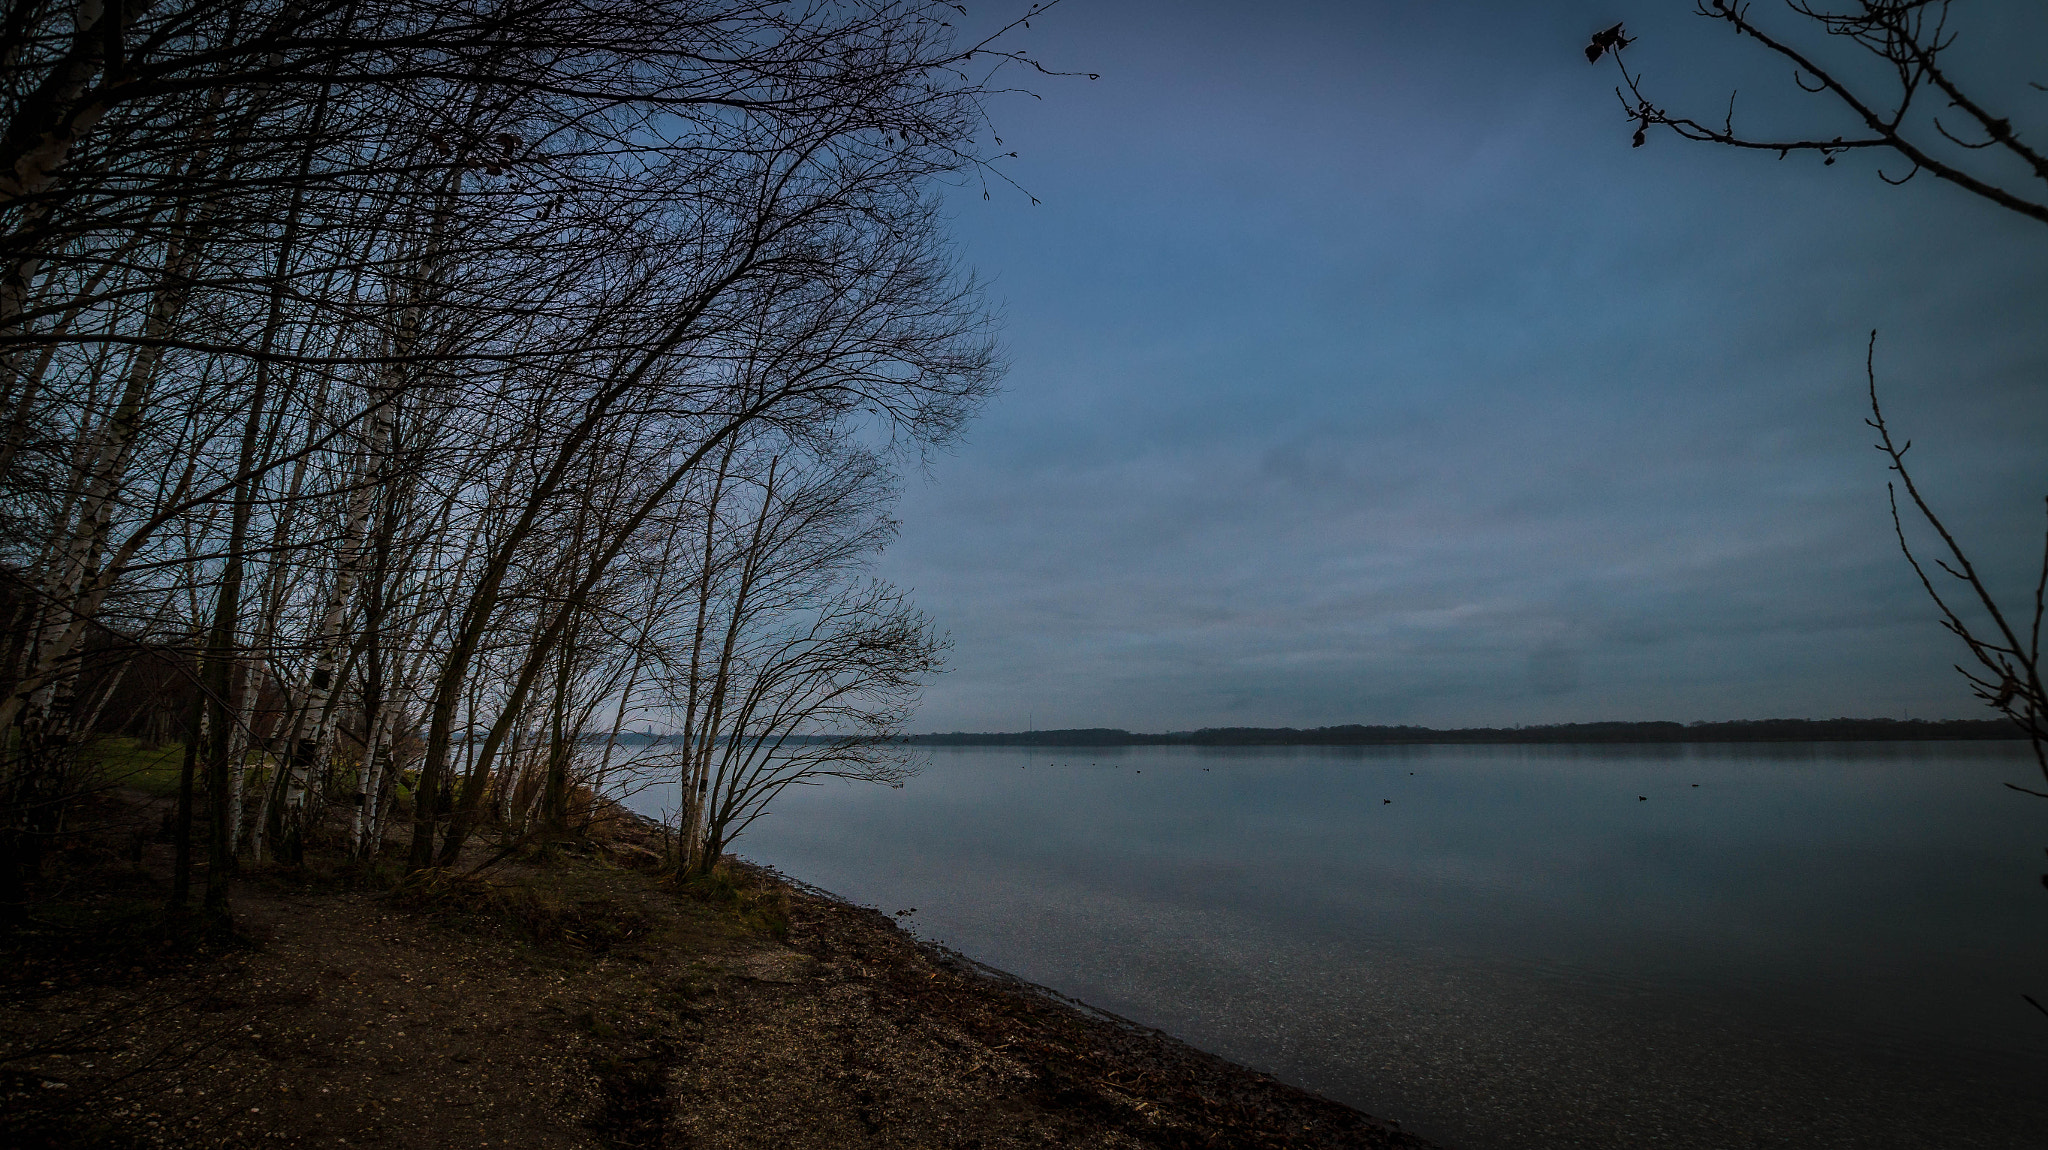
point(1362, 372)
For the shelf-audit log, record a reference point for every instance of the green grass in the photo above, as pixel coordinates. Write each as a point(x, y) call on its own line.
point(152, 769)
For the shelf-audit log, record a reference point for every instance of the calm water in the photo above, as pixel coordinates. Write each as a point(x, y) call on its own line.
point(1816, 945)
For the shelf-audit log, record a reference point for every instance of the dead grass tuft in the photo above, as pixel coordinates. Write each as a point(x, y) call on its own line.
point(525, 910)
point(756, 902)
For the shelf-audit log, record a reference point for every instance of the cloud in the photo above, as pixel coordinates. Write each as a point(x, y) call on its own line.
point(1363, 373)
point(1553, 670)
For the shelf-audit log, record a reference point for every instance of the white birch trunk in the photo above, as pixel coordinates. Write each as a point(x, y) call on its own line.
point(312, 747)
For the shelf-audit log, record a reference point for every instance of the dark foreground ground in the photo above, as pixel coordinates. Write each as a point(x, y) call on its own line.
point(575, 1001)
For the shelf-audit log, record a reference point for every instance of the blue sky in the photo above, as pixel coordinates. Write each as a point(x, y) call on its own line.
point(1362, 372)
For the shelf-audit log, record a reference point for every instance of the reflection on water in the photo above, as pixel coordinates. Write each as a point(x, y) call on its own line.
point(1796, 945)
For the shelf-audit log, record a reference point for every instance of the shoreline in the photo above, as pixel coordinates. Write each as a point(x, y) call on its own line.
point(1226, 1098)
point(577, 1001)
point(1133, 1075)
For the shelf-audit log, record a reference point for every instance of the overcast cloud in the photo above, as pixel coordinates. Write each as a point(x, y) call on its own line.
point(1364, 373)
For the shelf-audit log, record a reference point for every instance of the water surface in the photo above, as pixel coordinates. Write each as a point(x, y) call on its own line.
point(1754, 945)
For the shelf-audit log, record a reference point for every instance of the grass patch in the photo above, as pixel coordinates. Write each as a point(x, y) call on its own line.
point(527, 911)
point(381, 873)
point(327, 873)
point(151, 768)
point(754, 902)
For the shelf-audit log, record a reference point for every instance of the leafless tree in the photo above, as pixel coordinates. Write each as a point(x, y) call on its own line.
point(2005, 648)
point(368, 361)
point(1880, 65)
point(790, 666)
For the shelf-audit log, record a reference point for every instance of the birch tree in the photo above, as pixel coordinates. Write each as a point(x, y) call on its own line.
point(382, 364)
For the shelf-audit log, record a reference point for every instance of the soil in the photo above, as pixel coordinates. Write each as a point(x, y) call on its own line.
point(573, 1000)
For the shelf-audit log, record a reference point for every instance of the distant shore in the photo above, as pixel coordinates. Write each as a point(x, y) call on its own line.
point(1356, 735)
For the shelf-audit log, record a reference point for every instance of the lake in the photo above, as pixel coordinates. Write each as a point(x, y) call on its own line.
point(1584, 946)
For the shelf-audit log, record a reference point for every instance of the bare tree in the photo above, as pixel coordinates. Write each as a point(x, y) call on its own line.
point(2005, 648)
point(370, 362)
point(1879, 64)
point(786, 665)
point(825, 694)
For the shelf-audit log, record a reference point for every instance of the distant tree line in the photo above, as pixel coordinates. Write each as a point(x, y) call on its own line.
point(1354, 734)
point(396, 393)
